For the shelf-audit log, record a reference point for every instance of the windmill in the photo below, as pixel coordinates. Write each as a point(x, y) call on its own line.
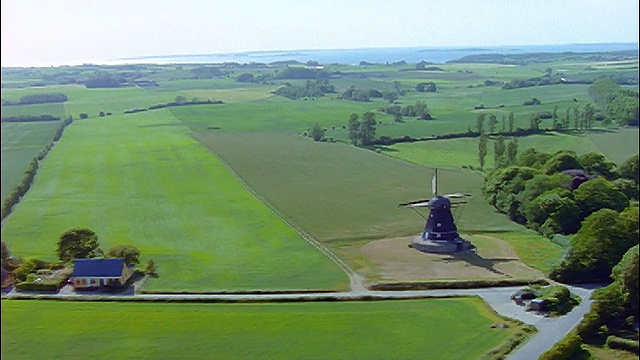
point(440, 233)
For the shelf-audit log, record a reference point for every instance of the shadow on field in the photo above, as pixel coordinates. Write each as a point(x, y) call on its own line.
point(478, 261)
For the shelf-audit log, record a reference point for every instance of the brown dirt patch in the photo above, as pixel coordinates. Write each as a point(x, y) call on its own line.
point(396, 261)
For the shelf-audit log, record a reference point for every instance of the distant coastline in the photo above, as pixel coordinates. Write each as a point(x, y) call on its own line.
point(436, 55)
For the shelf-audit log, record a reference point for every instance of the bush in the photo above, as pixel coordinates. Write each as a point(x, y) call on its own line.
point(615, 342)
point(567, 348)
point(39, 286)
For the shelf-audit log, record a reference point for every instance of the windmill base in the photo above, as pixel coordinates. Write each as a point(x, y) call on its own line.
point(456, 245)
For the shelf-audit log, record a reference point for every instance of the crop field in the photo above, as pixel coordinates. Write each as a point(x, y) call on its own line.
point(617, 146)
point(403, 329)
point(21, 142)
point(142, 181)
point(297, 176)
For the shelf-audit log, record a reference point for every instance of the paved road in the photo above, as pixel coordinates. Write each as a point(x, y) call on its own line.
point(550, 330)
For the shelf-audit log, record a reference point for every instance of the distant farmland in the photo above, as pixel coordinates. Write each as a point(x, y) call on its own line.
point(142, 181)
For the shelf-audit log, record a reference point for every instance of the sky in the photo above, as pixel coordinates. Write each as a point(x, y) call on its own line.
point(72, 32)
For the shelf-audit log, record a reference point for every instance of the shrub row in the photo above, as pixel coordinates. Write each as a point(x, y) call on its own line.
point(14, 197)
point(387, 140)
point(511, 343)
point(615, 342)
point(36, 99)
point(29, 118)
point(173, 104)
point(40, 286)
point(471, 284)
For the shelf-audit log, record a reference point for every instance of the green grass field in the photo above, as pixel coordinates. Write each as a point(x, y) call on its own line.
point(403, 329)
point(336, 191)
point(142, 180)
point(616, 145)
point(21, 142)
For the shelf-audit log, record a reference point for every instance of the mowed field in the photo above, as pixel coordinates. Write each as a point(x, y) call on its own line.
point(402, 329)
point(141, 180)
point(21, 143)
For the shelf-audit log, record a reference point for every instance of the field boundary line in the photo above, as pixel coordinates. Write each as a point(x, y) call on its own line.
point(355, 279)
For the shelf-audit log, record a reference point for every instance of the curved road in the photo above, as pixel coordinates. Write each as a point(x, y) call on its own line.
point(550, 330)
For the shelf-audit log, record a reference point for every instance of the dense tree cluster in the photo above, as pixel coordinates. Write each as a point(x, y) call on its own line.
point(78, 243)
point(620, 105)
point(129, 253)
point(361, 95)
point(36, 99)
point(245, 78)
point(301, 72)
point(104, 81)
point(311, 89)
point(419, 109)
point(604, 237)
point(563, 193)
point(207, 72)
point(544, 192)
point(428, 86)
point(362, 132)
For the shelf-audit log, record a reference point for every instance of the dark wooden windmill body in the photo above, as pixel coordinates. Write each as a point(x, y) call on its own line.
point(440, 233)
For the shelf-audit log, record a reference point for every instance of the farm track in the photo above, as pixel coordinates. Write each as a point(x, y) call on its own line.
point(356, 281)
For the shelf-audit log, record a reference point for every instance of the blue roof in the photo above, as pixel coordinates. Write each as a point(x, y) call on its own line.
point(97, 267)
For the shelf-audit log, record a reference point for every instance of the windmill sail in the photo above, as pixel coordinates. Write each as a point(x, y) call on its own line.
point(434, 184)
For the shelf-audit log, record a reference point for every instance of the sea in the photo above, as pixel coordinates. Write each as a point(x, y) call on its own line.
point(435, 55)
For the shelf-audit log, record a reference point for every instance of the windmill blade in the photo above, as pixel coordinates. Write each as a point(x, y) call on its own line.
point(458, 203)
point(456, 195)
point(413, 204)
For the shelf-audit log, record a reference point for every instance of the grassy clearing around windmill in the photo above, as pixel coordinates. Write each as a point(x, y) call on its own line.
point(348, 198)
point(403, 329)
point(142, 180)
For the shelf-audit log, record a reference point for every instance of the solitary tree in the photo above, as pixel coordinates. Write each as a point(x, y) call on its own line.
point(499, 149)
point(317, 133)
point(512, 151)
point(354, 128)
point(368, 128)
point(78, 243)
point(512, 121)
point(480, 123)
point(482, 150)
point(493, 121)
point(390, 96)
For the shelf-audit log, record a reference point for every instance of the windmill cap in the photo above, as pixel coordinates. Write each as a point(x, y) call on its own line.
point(439, 202)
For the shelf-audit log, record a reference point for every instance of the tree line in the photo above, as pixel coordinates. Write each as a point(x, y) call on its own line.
point(311, 89)
point(563, 193)
point(36, 99)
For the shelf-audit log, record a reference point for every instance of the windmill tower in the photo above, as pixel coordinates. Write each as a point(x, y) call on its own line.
point(440, 233)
